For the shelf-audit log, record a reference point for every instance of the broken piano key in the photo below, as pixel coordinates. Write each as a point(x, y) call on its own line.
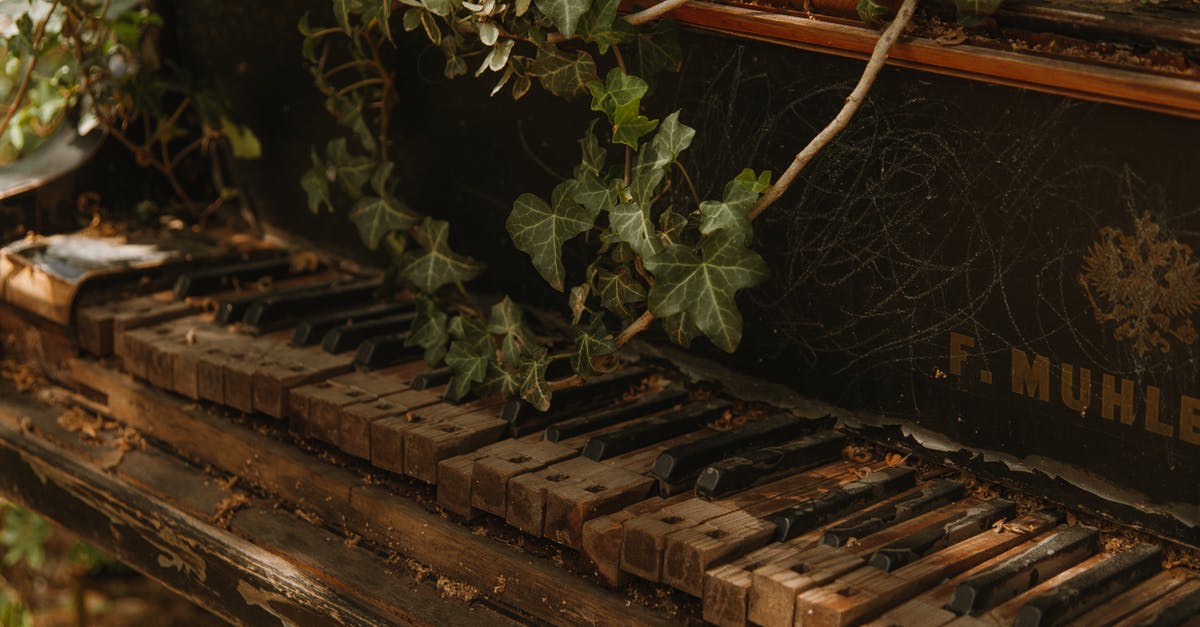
point(652, 430)
point(598, 419)
point(948, 531)
point(842, 500)
point(311, 330)
point(350, 336)
point(275, 309)
point(1091, 587)
point(230, 276)
point(385, 350)
point(931, 496)
point(735, 474)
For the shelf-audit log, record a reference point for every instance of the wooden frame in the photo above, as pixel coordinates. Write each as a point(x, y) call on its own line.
point(1152, 92)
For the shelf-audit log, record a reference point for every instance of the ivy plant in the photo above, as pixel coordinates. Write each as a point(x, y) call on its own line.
point(654, 257)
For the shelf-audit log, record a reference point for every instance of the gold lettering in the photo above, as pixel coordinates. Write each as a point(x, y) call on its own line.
point(1189, 419)
point(1110, 399)
point(1030, 378)
point(958, 341)
point(1078, 403)
point(1152, 423)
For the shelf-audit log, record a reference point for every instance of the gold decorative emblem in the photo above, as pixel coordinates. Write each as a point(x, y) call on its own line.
point(1145, 284)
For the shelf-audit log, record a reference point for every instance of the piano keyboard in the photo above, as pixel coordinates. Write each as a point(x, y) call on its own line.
point(759, 515)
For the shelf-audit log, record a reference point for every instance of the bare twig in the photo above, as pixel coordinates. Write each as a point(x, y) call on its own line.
point(654, 12)
point(839, 122)
point(637, 326)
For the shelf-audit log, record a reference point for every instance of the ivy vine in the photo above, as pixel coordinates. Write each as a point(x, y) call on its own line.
point(654, 258)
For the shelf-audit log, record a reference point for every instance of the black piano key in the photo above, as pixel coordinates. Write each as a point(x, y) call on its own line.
point(737, 473)
point(842, 500)
point(431, 378)
point(350, 336)
point(1024, 570)
point(229, 276)
point(598, 419)
point(932, 496)
point(310, 330)
point(596, 393)
point(942, 534)
point(233, 309)
point(591, 392)
point(281, 308)
point(382, 351)
point(652, 430)
point(1091, 587)
point(681, 463)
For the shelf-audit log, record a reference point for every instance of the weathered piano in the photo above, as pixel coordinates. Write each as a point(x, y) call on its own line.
point(968, 399)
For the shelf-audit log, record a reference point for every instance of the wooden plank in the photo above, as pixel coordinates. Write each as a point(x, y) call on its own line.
point(1165, 94)
point(514, 577)
point(238, 581)
point(866, 592)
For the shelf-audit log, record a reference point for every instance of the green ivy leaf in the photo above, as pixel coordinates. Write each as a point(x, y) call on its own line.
point(242, 140)
point(618, 290)
point(532, 377)
point(376, 216)
point(620, 98)
point(632, 224)
point(341, 12)
point(704, 286)
point(593, 155)
point(429, 330)
point(733, 212)
point(657, 49)
point(469, 361)
point(500, 382)
point(563, 74)
point(872, 12)
point(540, 230)
point(350, 171)
point(600, 26)
point(596, 195)
point(671, 139)
point(591, 342)
point(564, 13)
point(680, 329)
point(438, 265)
point(508, 322)
point(315, 183)
point(671, 226)
point(972, 13)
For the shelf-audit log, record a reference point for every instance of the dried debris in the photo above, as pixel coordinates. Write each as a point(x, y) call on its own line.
point(229, 506)
point(76, 420)
point(23, 376)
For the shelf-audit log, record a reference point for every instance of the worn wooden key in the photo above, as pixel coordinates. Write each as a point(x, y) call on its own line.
point(954, 529)
point(845, 499)
point(1086, 590)
point(928, 497)
point(1150, 592)
point(867, 592)
point(275, 309)
point(1037, 563)
point(760, 465)
point(228, 277)
point(602, 536)
point(311, 330)
point(348, 337)
point(1180, 606)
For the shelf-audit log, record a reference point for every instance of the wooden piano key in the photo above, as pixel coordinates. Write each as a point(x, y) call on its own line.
point(645, 538)
point(286, 368)
point(595, 393)
point(429, 444)
point(1005, 613)
point(937, 537)
point(691, 552)
point(757, 466)
point(230, 276)
point(593, 421)
point(1090, 588)
point(527, 493)
point(348, 337)
point(601, 538)
point(385, 350)
point(867, 592)
point(727, 586)
point(490, 474)
point(841, 501)
point(772, 598)
point(432, 379)
point(389, 435)
point(1150, 592)
point(651, 430)
point(99, 326)
point(603, 488)
point(1013, 576)
point(311, 330)
point(354, 424)
point(928, 497)
point(456, 475)
point(1178, 607)
point(316, 406)
point(134, 347)
point(285, 307)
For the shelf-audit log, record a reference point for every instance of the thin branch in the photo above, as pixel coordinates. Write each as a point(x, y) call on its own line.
point(839, 122)
point(654, 12)
point(24, 86)
point(688, 179)
point(363, 83)
point(637, 326)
